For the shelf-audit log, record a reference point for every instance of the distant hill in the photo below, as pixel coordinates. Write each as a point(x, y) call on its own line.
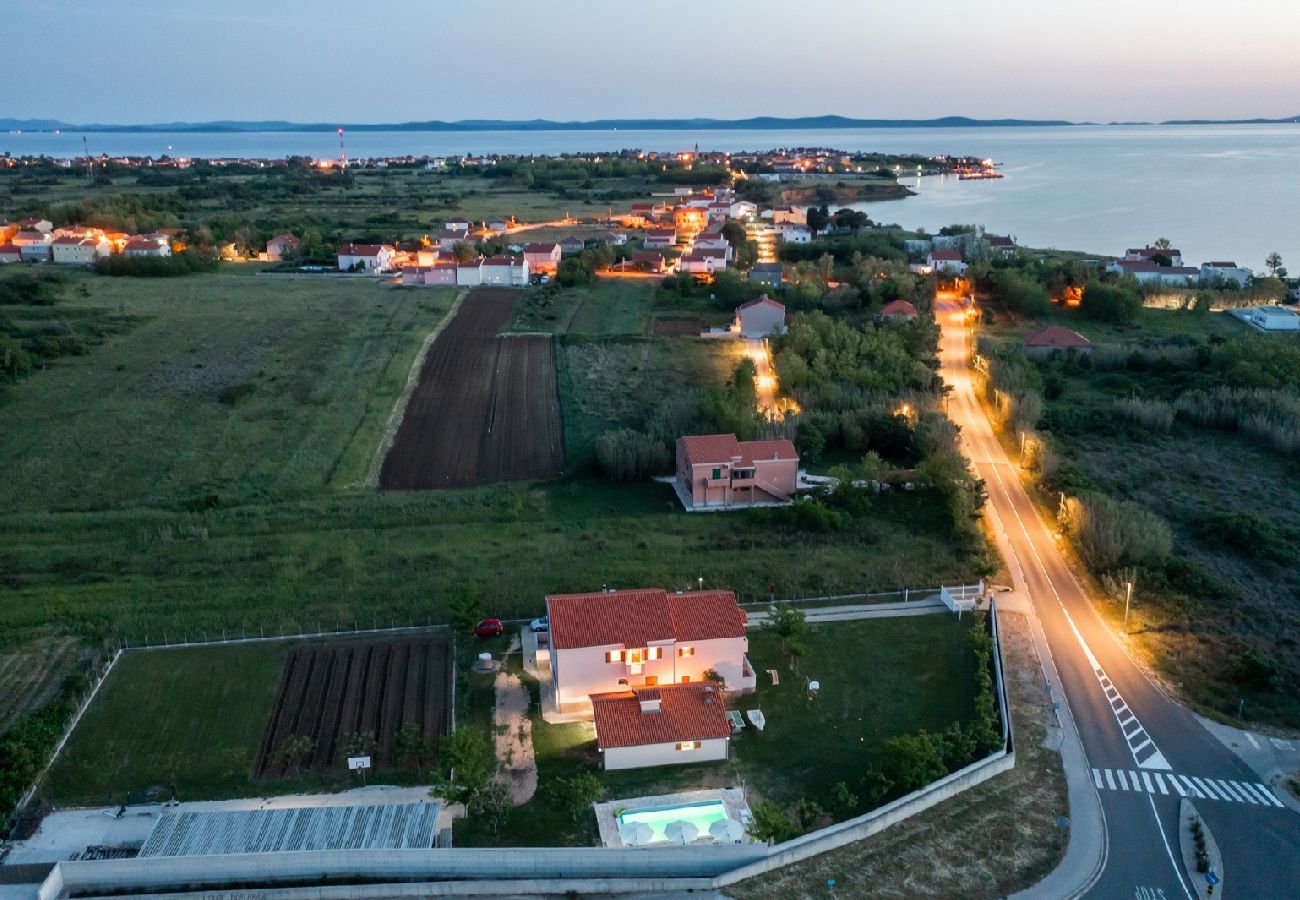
point(757, 123)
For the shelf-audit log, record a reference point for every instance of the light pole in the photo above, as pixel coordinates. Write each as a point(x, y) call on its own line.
point(1022, 449)
point(1128, 596)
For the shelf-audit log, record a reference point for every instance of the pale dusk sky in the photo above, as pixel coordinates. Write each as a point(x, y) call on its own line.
point(383, 61)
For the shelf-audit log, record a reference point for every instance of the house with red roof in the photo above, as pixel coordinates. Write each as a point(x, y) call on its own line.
point(280, 246)
point(717, 471)
point(144, 245)
point(365, 257)
point(759, 318)
point(10, 253)
point(511, 271)
point(1149, 254)
point(660, 238)
point(648, 260)
point(624, 640)
point(900, 309)
point(661, 726)
point(79, 251)
point(946, 261)
point(543, 257)
point(1055, 338)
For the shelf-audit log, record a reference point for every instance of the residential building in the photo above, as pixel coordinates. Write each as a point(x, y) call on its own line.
point(945, 261)
point(280, 246)
point(1147, 254)
point(795, 234)
point(661, 726)
point(790, 214)
point(497, 225)
point(771, 274)
point(689, 218)
point(614, 238)
point(511, 271)
point(469, 274)
point(442, 272)
point(10, 253)
point(701, 262)
point(457, 223)
point(542, 257)
point(572, 245)
point(448, 238)
point(648, 260)
point(35, 252)
point(742, 209)
point(1000, 244)
point(1153, 273)
point(759, 318)
point(1055, 338)
point(1228, 272)
point(44, 226)
point(616, 640)
point(1273, 318)
point(899, 309)
point(79, 251)
point(24, 238)
point(660, 238)
point(365, 257)
point(713, 240)
point(716, 470)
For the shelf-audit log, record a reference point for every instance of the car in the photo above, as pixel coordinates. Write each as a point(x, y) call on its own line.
point(489, 628)
point(542, 624)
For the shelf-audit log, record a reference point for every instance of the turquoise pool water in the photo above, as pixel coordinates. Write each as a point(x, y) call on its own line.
point(701, 815)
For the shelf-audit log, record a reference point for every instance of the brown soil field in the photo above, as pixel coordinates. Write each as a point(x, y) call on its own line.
point(684, 326)
point(332, 690)
point(486, 408)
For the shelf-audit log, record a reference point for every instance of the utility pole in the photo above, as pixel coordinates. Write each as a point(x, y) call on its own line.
point(1128, 596)
point(90, 163)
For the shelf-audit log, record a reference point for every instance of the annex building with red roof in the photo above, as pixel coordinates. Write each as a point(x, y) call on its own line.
point(1055, 338)
point(621, 640)
point(717, 471)
point(658, 726)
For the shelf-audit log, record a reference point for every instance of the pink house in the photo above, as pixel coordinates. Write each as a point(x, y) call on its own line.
point(716, 471)
point(280, 246)
point(643, 638)
point(900, 309)
point(542, 257)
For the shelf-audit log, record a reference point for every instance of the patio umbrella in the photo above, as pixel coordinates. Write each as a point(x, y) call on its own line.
point(727, 831)
point(681, 832)
point(636, 834)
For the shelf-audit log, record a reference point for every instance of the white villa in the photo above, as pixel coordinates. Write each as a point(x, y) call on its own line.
point(661, 726)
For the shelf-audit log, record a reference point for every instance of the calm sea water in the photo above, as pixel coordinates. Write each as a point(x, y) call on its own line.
point(1218, 192)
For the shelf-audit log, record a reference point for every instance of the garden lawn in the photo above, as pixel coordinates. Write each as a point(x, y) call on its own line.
point(879, 678)
point(608, 306)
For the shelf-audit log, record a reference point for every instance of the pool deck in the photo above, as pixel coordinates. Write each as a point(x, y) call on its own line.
point(732, 799)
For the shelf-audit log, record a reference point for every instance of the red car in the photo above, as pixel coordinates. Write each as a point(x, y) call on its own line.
point(489, 628)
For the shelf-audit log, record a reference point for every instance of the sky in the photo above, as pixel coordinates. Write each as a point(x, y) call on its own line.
point(381, 61)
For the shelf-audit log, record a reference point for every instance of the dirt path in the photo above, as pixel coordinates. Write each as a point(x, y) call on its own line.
point(512, 732)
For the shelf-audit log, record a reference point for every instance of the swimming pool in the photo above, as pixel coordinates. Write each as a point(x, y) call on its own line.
point(701, 815)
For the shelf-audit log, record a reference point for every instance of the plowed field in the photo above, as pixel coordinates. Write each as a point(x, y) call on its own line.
point(329, 691)
point(485, 409)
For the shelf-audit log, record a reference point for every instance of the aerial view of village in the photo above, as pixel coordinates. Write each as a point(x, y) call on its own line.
point(557, 505)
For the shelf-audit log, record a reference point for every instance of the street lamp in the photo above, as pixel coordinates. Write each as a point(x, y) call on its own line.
point(1022, 449)
point(701, 582)
point(1128, 596)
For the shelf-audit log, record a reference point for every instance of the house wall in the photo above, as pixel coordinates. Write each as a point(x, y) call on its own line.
point(782, 474)
point(664, 754)
point(77, 254)
point(760, 321)
point(470, 276)
point(440, 275)
point(34, 252)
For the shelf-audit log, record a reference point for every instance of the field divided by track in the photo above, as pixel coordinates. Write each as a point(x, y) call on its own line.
point(486, 409)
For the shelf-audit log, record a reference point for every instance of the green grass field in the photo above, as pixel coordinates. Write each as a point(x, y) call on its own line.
point(879, 678)
point(139, 421)
point(606, 307)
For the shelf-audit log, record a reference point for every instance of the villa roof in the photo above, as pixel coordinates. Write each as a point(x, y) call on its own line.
point(362, 249)
point(686, 712)
point(899, 308)
point(541, 247)
point(764, 300)
point(638, 617)
point(724, 448)
point(503, 261)
point(946, 255)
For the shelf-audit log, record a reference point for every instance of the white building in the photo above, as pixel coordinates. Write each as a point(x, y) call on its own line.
point(1153, 273)
point(661, 726)
point(1273, 318)
point(618, 640)
point(743, 209)
point(1227, 271)
point(795, 234)
point(470, 274)
point(760, 318)
point(945, 261)
point(660, 238)
point(75, 251)
point(713, 240)
point(365, 257)
point(511, 271)
point(1148, 254)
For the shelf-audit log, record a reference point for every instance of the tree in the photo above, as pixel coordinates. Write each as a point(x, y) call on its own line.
point(493, 803)
point(787, 623)
point(358, 743)
point(466, 765)
point(629, 455)
point(844, 803)
point(818, 218)
point(1273, 262)
point(574, 795)
point(914, 760)
point(771, 823)
point(464, 608)
point(464, 251)
point(1114, 303)
point(409, 743)
point(296, 751)
point(1162, 243)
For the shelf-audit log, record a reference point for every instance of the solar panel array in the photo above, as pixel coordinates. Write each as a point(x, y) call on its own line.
point(402, 826)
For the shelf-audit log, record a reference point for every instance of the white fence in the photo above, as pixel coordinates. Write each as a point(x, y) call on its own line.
point(962, 597)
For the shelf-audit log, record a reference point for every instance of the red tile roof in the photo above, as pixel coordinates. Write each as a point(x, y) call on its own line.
point(720, 448)
point(541, 247)
point(687, 712)
point(1056, 336)
point(899, 308)
point(503, 261)
point(283, 239)
point(1147, 252)
point(10, 249)
point(946, 255)
point(764, 300)
point(360, 249)
point(142, 244)
point(635, 618)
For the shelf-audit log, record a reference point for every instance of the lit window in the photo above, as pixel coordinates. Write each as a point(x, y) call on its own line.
point(685, 651)
point(654, 653)
point(614, 656)
point(634, 656)
point(688, 745)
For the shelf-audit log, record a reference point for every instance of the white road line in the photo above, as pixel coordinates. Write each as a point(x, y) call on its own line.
point(1191, 788)
point(1123, 780)
point(1269, 794)
point(1254, 743)
point(1169, 850)
point(1227, 788)
point(1207, 788)
point(1096, 777)
point(1110, 781)
point(1160, 783)
point(1240, 788)
point(1147, 780)
point(1133, 777)
point(1173, 783)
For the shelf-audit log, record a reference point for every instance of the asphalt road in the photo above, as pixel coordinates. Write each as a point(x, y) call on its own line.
point(1144, 750)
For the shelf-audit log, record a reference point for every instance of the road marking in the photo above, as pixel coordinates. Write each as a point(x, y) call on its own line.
point(1254, 743)
point(1199, 788)
point(1281, 744)
point(1169, 851)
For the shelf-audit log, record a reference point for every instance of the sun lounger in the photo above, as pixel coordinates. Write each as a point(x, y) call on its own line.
point(756, 718)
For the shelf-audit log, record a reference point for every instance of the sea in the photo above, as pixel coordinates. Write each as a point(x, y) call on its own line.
point(1218, 192)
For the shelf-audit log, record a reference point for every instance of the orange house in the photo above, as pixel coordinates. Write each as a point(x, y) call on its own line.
point(716, 471)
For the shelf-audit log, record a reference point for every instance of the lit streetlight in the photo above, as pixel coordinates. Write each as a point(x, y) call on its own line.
point(1128, 596)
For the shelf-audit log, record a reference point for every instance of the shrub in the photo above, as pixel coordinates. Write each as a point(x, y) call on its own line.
point(236, 393)
point(1114, 303)
point(27, 289)
point(629, 455)
point(771, 823)
point(1154, 415)
point(914, 760)
point(1112, 532)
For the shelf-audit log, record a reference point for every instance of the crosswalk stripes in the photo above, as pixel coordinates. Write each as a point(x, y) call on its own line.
point(1194, 787)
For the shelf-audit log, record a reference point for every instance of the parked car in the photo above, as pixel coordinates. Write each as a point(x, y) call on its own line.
point(489, 628)
point(542, 624)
